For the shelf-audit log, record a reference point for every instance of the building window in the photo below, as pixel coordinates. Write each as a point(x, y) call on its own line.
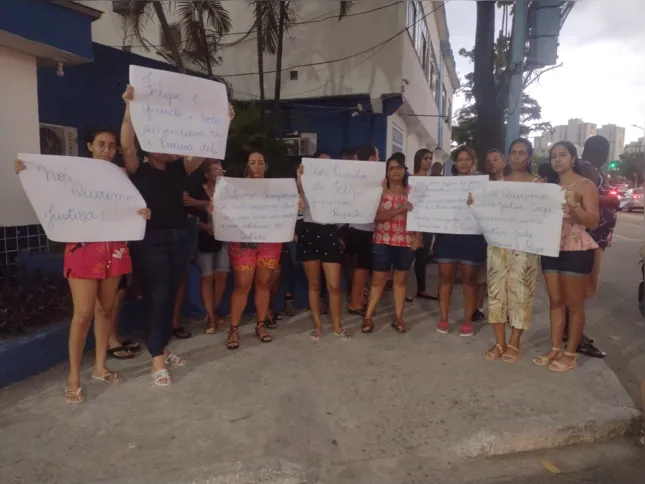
point(434, 74)
point(444, 102)
point(397, 139)
point(419, 34)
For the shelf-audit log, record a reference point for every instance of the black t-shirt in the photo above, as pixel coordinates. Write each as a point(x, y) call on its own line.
point(163, 191)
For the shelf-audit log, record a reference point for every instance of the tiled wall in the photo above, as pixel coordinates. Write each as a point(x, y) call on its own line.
point(22, 238)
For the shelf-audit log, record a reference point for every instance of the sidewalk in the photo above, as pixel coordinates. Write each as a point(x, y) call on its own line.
point(378, 409)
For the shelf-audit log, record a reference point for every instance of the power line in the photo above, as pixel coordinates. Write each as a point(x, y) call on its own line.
point(305, 22)
point(341, 58)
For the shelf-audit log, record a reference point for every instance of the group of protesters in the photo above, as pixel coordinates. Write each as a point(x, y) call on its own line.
point(374, 257)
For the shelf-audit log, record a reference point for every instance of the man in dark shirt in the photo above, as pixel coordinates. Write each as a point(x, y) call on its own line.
point(594, 155)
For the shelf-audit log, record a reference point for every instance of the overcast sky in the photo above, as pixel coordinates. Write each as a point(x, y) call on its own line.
point(602, 48)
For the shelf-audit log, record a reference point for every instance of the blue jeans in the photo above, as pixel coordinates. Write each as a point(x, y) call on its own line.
point(160, 262)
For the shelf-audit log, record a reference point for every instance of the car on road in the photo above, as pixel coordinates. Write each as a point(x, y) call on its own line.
point(633, 199)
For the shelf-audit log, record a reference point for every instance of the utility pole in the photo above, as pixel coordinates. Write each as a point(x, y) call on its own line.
point(518, 43)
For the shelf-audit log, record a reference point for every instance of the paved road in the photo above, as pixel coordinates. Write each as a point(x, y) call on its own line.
point(381, 409)
point(613, 319)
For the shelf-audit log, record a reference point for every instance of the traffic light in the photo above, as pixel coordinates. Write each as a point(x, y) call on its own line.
point(545, 18)
point(613, 165)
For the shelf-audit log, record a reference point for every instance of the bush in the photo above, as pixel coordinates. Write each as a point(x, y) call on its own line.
point(29, 301)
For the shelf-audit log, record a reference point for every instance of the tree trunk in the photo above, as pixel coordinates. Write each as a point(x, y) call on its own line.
point(490, 116)
point(174, 48)
point(259, 18)
point(278, 67)
point(202, 35)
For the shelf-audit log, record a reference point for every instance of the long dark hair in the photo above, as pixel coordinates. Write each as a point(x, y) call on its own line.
point(400, 159)
point(418, 158)
point(245, 173)
point(551, 175)
point(529, 150)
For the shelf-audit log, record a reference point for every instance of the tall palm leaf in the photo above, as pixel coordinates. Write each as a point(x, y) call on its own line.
point(139, 13)
point(204, 23)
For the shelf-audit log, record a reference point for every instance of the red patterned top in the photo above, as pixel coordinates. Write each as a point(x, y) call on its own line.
point(393, 232)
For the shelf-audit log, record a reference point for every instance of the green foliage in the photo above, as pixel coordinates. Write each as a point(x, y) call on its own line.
point(465, 130)
point(246, 135)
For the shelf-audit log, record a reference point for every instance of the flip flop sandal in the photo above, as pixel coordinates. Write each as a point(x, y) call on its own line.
point(271, 323)
point(131, 345)
point(356, 312)
point(181, 333)
point(316, 334)
point(174, 360)
point(126, 353)
point(492, 355)
point(343, 335)
point(77, 396)
point(511, 358)
point(162, 378)
point(110, 377)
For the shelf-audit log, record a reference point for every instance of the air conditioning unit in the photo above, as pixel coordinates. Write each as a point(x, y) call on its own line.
point(121, 7)
point(298, 146)
point(58, 140)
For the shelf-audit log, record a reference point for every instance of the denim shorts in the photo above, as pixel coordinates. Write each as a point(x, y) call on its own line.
point(570, 263)
point(464, 249)
point(211, 262)
point(388, 257)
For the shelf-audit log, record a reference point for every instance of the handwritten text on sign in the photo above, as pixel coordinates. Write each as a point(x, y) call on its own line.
point(179, 114)
point(440, 204)
point(82, 199)
point(342, 191)
point(248, 210)
point(520, 216)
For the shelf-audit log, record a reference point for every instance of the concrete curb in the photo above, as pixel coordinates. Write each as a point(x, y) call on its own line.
point(549, 431)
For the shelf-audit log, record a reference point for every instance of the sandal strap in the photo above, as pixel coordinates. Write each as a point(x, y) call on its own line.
point(553, 348)
point(513, 348)
point(233, 329)
point(567, 353)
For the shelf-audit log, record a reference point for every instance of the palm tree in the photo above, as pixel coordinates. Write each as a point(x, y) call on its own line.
point(274, 18)
point(202, 22)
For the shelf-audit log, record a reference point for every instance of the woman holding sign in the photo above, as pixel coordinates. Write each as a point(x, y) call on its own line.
point(393, 246)
point(567, 276)
point(94, 271)
point(512, 274)
point(466, 251)
point(160, 258)
point(252, 263)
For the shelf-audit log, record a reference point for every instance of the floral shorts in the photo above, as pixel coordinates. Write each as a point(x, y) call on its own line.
point(97, 260)
point(246, 257)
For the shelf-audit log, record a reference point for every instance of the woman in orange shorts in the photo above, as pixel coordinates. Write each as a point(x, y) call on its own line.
point(93, 271)
point(252, 263)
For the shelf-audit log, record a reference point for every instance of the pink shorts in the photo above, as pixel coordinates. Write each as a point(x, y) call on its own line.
point(247, 259)
point(97, 260)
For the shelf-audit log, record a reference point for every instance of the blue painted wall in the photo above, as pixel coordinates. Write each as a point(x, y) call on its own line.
point(49, 24)
point(332, 120)
point(89, 95)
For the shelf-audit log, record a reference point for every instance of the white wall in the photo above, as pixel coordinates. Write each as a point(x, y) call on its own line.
point(18, 132)
point(375, 72)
